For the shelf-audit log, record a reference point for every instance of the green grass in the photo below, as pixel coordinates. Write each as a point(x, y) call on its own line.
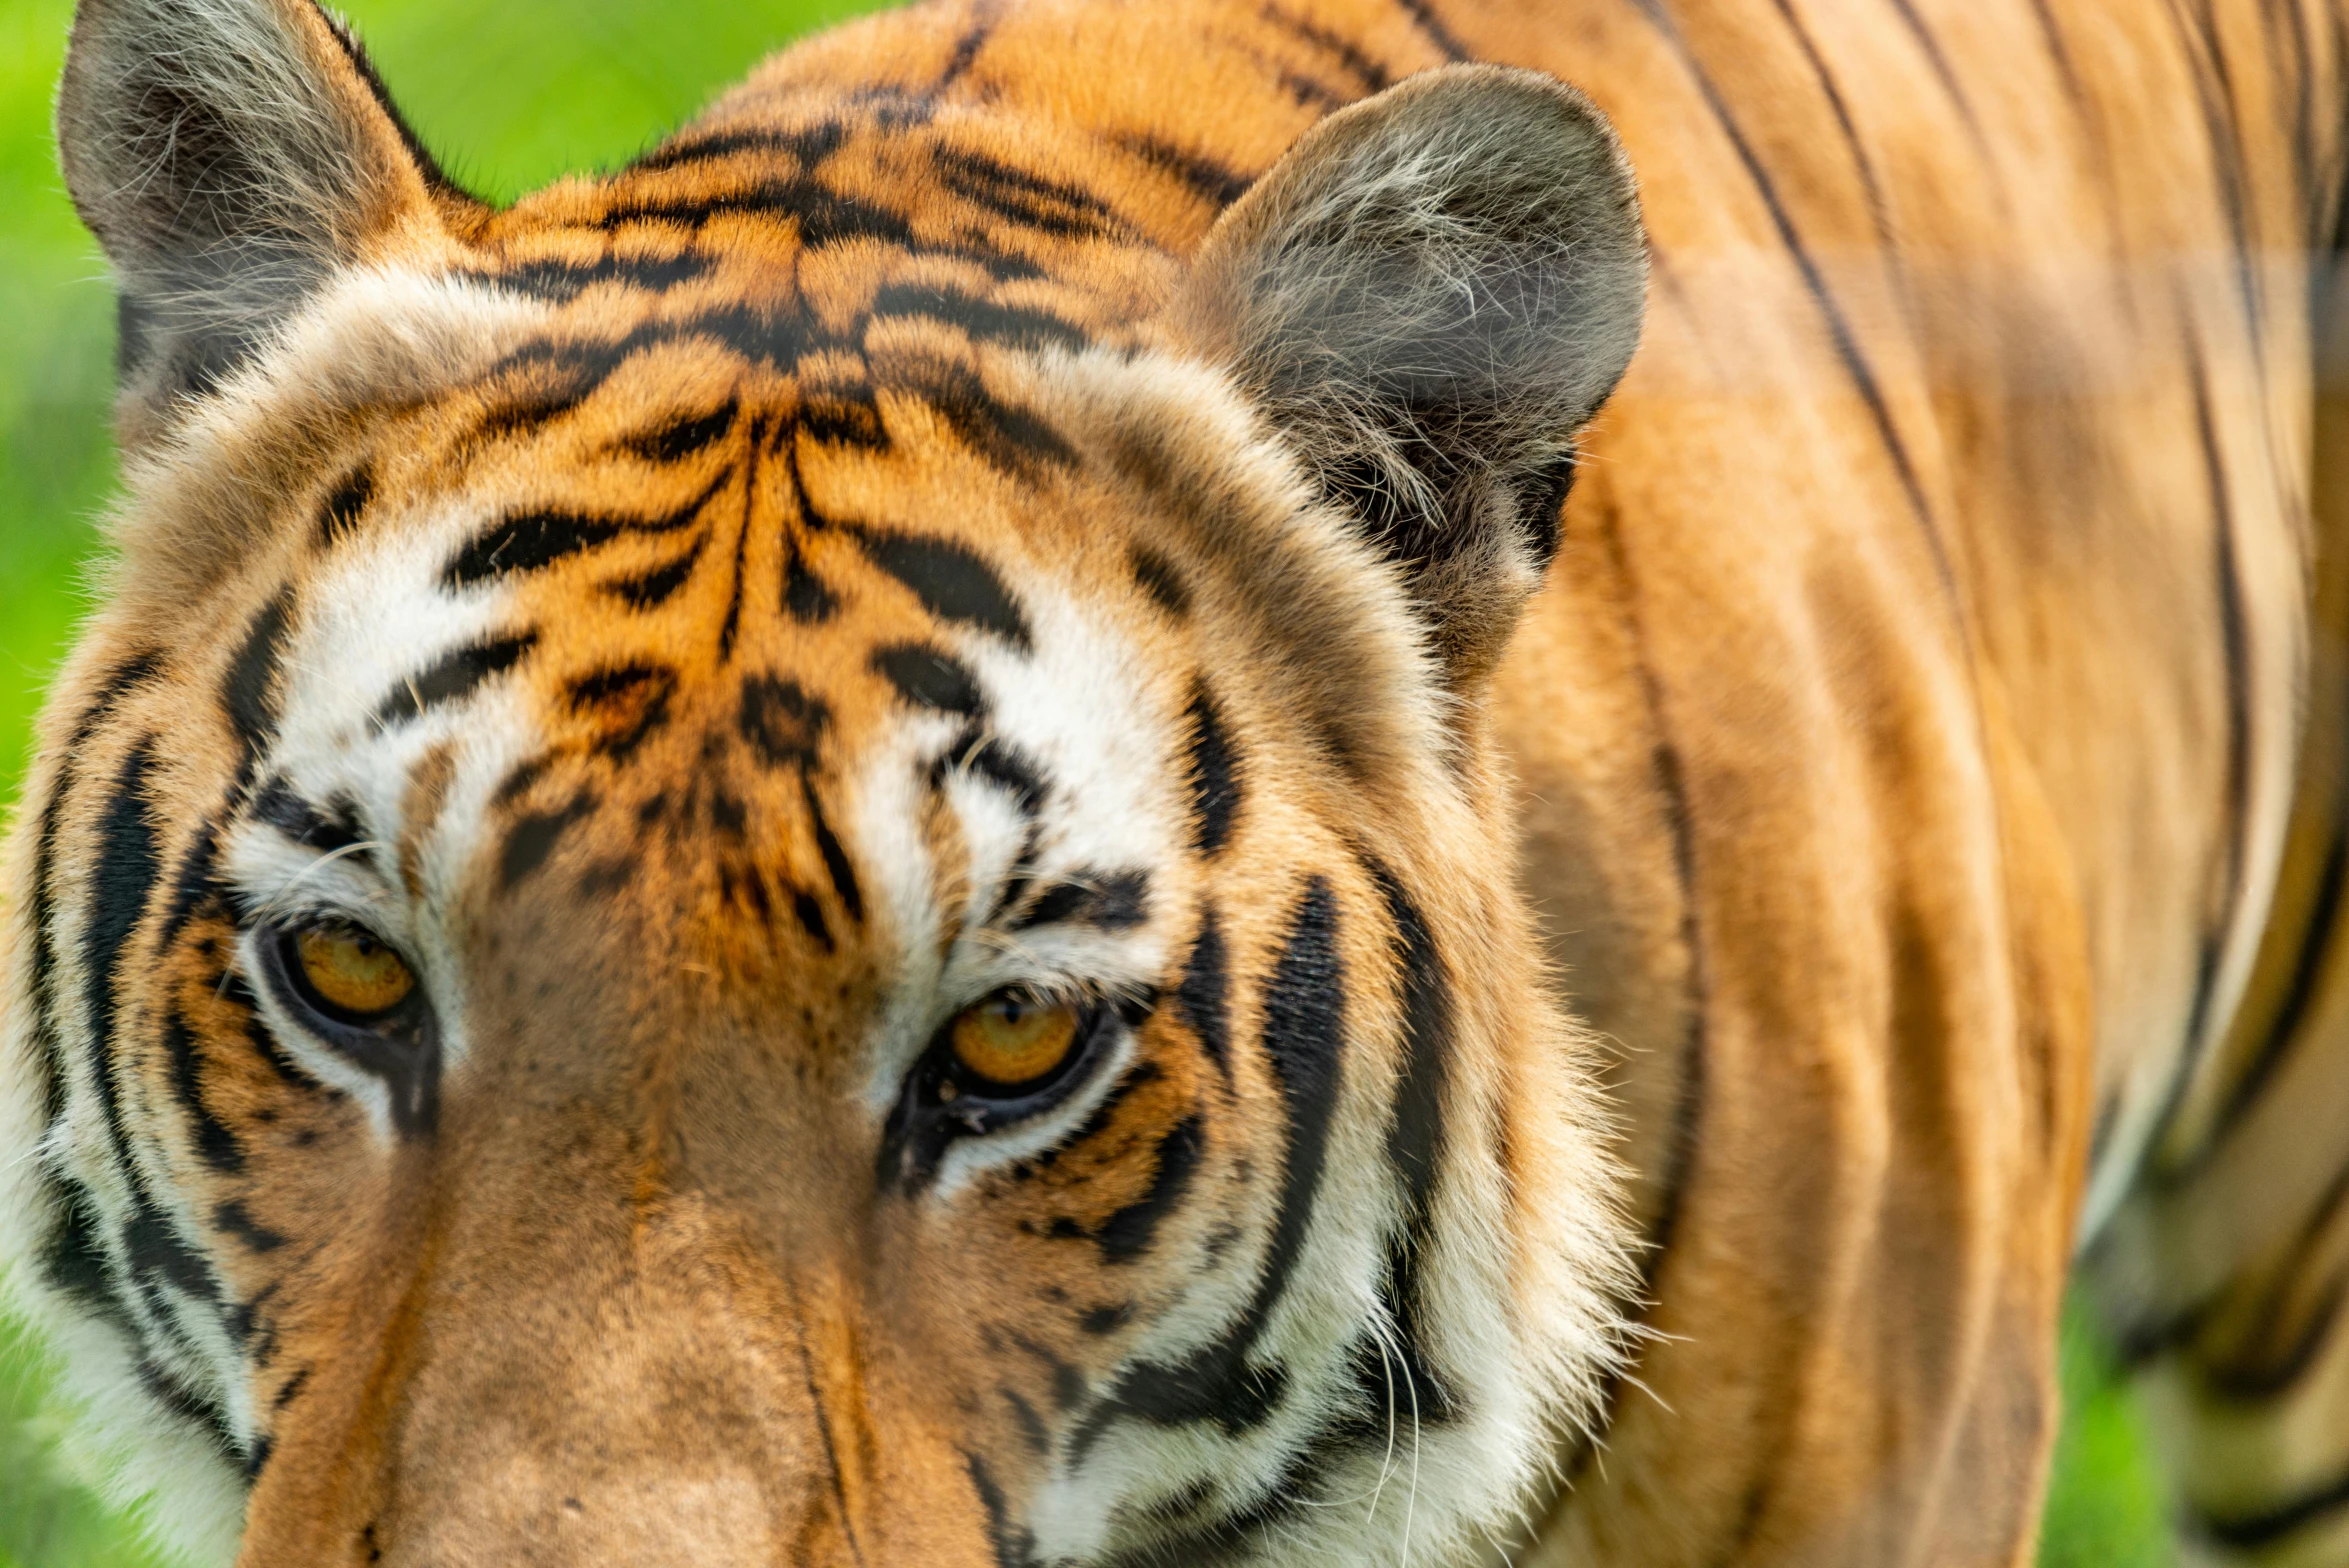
point(509, 95)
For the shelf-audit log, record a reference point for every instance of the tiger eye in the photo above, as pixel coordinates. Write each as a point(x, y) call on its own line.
point(1014, 1039)
point(351, 971)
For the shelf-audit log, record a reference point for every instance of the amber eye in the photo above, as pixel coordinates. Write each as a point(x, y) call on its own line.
point(1010, 1039)
point(351, 972)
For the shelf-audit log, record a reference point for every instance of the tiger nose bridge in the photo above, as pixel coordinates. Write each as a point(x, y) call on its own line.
point(689, 1408)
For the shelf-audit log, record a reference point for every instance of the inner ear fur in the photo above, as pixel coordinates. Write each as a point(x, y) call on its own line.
point(230, 155)
point(1427, 297)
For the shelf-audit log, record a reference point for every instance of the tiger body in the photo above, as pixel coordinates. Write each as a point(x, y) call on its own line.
point(716, 618)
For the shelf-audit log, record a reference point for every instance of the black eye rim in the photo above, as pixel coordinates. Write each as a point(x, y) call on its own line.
point(400, 1045)
point(927, 1119)
point(279, 946)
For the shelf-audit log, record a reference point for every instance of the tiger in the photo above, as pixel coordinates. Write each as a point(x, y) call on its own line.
point(1221, 782)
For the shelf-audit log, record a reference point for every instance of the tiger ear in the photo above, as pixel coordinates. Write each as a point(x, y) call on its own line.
point(1428, 296)
point(229, 155)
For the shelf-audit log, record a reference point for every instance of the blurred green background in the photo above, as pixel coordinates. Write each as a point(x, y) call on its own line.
point(509, 94)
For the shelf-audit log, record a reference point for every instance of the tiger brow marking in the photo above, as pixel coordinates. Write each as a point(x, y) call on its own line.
point(1206, 178)
point(533, 838)
point(339, 514)
point(1113, 901)
point(1156, 576)
point(927, 677)
point(533, 541)
point(656, 586)
point(452, 677)
point(682, 437)
point(836, 866)
point(952, 582)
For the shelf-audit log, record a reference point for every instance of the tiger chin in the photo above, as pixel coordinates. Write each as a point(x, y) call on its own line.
point(791, 857)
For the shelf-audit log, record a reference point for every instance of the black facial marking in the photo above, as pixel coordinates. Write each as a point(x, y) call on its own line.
point(452, 677)
point(533, 541)
point(344, 503)
point(952, 582)
point(1213, 776)
point(561, 281)
point(1304, 1033)
point(128, 865)
point(1013, 439)
point(782, 723)
point(1014, 1544)
point(843, 875)
point(1212, 180)
point(1415, 1140)
point(656, 586)
point(805, 598)
point(1204, 995)
point(534, 837)
point(331, 828)
point(245, 692)
point(810, 915)
point(215, 1144)
point(1106, 1320)
point(234, 1219)
point(682, 438)
point(1156, 576)
point(929, 678)
point(1007, 768)
point(1011, 325)
point(73, 1260)
point(154, 1248)
point(633, 698)
point(1112, 900)
point(1130, 1232)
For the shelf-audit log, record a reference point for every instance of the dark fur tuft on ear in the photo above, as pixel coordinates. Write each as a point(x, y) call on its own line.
point(229, 154)
point(1428, 296)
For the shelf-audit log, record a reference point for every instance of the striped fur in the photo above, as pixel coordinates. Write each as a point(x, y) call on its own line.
point(1065, 495)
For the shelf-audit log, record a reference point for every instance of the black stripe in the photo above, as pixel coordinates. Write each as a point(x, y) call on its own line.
point(534, 837)
point(805, 598)
point(2308, 970)
point(1207, 178)
point(1930, 47)
point(335, 828)
point(1129, 1233)
point(2234, 639)
point(824, 216)
point(1013, 1544)
point(809, 144)
point(339, 514)
point(1847, 348)
point(1113, 901)
point(1006, 767)
point(1304, 1004)
point(1015, 326)
point(952, 582)
point(836, 864)
point(683, 437)
point(1878, 213)
point(1415, 1139)
point(533, 541)
point(452, 677)
point(782, 723)
point(1011, 438)
point(652, 588)
point(121, 882)
point(1423, 17)
point(928, 677)
point(73, 1259)
point(2214, 93)
point(1205, 994)
point(236, 993)
point(246, 691)
point(1156, 576)
point(133, 672)
point(1213, 775)
point(1024, 198)
point(1370, 75)
point(155, 1249)
point(2252, 1531)
point(560, 282)
point(632, 698)
point(214, 1142)
point(236, 1220)
point(750, 480)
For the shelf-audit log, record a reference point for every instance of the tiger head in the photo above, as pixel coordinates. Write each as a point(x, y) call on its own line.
point(792, 858)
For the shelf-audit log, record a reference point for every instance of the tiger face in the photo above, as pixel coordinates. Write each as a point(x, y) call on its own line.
point(790, 858)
